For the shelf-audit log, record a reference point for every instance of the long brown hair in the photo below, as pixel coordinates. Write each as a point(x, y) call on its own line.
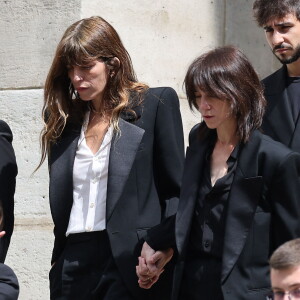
point(84, 41)
point(226, 73)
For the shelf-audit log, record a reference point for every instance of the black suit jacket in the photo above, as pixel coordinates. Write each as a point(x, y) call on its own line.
point(278, 120)
point(8, 173)
point(263, 212)
point(9, 286)
point(145, 169)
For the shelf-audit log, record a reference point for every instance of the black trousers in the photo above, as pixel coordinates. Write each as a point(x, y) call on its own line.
point(86, 270)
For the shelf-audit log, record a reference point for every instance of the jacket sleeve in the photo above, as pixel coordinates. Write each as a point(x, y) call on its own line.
point(8, 173)
point(285, 195)
point(168, 168)
point(9, 285)
point(168, 151)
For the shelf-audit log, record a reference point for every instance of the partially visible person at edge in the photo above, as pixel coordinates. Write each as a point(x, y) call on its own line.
point(240, 190)
point(9, 286)
point(281, 22)
point(115, 153)
point(285, 271)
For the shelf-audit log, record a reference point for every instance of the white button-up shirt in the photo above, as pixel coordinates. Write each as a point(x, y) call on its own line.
point(90, 174)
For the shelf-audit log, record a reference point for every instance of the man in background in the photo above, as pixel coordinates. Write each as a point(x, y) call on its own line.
point(281, 22)
point(285, 271)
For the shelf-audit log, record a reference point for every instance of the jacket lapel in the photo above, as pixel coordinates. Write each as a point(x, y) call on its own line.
point(195, 155)
point(61, 173)
point(279, 114)
point(295, 140)
point(122, 154)
point(242, 203)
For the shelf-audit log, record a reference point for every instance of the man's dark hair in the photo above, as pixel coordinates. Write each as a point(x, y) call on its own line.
point(226, 73)
point(266, 10)
point(286, 256)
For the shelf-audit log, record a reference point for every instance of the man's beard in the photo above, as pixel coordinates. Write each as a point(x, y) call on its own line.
point(290, 59)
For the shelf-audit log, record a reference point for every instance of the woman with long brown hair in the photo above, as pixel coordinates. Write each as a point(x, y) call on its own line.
point(240, 189)
point(115, 153)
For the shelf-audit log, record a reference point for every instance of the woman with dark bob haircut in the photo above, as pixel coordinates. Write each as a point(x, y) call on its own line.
point(240, 190)
point(115, 154)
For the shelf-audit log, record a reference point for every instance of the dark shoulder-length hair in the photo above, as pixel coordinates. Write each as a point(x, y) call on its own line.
point(226, 73)
point(84, 41)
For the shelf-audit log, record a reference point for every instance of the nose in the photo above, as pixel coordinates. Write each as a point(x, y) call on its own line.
point(203, 104)
point(74, 74)
point(277, 38)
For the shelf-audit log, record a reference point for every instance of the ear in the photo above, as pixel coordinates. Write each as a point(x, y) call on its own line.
point(113, 65)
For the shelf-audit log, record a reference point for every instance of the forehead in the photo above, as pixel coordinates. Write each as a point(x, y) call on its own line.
point(285, 278)
point(289, 18)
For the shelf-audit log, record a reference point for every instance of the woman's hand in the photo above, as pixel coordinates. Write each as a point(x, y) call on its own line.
point(151, 265)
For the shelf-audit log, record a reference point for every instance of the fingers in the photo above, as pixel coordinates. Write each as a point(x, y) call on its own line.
point(2, 233)
point(148, 282)
point(159, 259)
point(146, 279)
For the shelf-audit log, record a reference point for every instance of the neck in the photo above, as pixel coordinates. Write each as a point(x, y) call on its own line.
point(228, 135)
point(293, 69)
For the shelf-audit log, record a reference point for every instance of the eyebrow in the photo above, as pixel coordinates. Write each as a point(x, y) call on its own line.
point(296, 284)
point(279, 25)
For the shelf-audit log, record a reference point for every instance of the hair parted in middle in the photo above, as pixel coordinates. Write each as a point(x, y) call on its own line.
point(226, 73)
point(286, 256)
point(266, 10)
point(84, 41)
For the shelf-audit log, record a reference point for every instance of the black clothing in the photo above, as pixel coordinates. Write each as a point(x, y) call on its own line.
point(9, 285)
point(293, 90)
point(281, 120)
point(207, 231)
point(204, 263)
point(90, 274)
point(262, 212)
point(8, 173)
point(143, 185)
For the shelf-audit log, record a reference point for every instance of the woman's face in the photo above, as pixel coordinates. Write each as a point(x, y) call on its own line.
point(89, 80)
point(216, 113)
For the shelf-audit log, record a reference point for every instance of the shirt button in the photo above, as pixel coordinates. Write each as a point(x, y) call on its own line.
point(92, 205)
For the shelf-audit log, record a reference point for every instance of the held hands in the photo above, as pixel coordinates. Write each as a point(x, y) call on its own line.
point(151, 265)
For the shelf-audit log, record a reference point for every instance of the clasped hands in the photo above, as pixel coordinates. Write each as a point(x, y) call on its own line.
point(151, 265)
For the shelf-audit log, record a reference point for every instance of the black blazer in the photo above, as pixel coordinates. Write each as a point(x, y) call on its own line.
point(278, 120)
point(9, 286)
point(263, 212)
point(8, 173)
point(145, 169)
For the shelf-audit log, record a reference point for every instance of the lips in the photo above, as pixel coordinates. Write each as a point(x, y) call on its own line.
point(282, 48)
point(81, 89)
point(207, 117)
